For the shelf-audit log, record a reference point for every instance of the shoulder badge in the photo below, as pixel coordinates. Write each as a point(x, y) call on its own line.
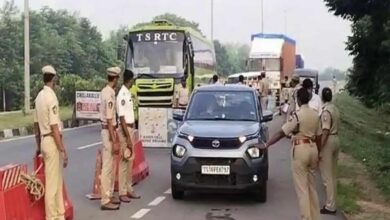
point(110, 104)
point(54, 109)
point(123, 102)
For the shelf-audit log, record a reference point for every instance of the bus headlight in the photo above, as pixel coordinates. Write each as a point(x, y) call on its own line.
point(179, 151)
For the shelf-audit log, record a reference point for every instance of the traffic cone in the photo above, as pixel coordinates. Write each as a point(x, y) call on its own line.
point(96, 183)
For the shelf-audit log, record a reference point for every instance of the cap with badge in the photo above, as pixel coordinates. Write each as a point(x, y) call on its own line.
point(295, 77)
point(49, 70)
point(113, 71)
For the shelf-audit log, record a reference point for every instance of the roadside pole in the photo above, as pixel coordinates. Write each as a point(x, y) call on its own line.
point(26, 57)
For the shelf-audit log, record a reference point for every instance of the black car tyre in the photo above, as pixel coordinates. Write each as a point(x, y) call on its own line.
point(260, 195)
point(176, 193)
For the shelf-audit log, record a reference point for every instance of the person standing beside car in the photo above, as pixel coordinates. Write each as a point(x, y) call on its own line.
point(305, 127)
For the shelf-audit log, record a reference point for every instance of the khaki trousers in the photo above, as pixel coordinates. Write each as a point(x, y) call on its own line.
point(328, 168)
point(264, 102)
point(126, 166)
point(107, 176)
point(304, 162)
point(54, 200)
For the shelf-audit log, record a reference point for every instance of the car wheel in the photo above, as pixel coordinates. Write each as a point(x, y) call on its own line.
point(176, 193)
point(260, 195)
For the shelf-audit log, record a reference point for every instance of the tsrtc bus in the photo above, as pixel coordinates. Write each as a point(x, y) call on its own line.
point(161, 54)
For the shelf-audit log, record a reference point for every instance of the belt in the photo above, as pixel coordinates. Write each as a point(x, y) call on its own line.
point(49, 134)
point(130, 125)
point(302, 141)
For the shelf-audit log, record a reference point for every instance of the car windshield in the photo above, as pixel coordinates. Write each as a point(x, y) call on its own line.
point(226, 105)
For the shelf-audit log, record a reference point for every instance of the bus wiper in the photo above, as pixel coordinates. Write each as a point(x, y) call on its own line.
point(146, 75)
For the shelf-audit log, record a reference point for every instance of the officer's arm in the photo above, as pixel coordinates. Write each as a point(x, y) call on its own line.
point(275, 138)
point(325, 126)
point(111, 130)
point(37, 132)
point(57, 137)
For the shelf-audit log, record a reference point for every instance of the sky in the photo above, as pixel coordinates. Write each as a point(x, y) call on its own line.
point(319, 34)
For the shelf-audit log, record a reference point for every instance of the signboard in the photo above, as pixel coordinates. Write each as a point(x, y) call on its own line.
point(157, 36)
point(88, 105)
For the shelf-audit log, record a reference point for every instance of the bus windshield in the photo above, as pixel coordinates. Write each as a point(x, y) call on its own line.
point(156, 53)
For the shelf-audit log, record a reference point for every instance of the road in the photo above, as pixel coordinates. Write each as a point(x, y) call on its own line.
point(156, 202)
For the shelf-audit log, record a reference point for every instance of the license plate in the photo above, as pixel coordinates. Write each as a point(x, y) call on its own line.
point(215, 170)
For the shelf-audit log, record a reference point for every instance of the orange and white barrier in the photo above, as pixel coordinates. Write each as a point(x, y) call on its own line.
point(15, 201)
point(140, 169)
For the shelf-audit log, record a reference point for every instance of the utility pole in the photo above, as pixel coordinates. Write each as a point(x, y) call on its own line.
point(26, 57)
point(262, 16)
point(212, 20)
point(285, 21)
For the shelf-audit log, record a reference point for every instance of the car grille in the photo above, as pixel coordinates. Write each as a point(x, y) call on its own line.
point(224, 143)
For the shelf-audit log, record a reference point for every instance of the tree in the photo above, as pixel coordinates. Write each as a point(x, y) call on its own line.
point(177, 20)
point(11, 56)
point(223, 65)
point(370, 45)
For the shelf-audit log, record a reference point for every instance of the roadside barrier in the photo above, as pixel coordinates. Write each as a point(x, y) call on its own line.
point(140, 169)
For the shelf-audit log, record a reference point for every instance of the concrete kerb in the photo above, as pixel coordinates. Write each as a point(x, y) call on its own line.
point(24, 131)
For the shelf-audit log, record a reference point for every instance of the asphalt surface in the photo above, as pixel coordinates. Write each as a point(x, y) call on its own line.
point(156, 202)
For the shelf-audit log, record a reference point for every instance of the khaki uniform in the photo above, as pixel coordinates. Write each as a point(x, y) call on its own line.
point(264, 94)
point(125, 108)
point(108, 111)
point(329, 154)
point(182, 97)
point(47, 114)
point(304, 126)
point(292, 102)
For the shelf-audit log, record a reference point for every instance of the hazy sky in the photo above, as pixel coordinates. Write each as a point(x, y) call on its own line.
point(320, 35)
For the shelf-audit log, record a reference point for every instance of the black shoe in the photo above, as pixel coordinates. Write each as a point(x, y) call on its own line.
point(325, 211)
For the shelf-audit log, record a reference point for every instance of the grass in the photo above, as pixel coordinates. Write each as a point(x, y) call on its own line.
point(18, 120)
point(365, 135)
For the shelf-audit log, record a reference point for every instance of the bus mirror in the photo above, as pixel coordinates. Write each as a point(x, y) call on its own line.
point(126, 37)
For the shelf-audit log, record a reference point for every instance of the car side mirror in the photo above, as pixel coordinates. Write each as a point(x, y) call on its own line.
point(178, 114)
point(267, 116)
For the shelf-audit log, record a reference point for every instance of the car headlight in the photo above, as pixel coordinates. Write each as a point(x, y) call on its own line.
point(242, 139)
point(190, 138)
point(255, 152)
point(179, 151)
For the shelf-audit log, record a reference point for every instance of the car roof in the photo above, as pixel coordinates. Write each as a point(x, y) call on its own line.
point(306, 72)
point(225, 88)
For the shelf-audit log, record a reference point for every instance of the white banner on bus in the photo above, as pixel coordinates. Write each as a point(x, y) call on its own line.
point(88, 105)
point(156, 127)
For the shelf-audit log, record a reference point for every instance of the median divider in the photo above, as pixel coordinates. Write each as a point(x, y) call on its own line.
point(140, 169)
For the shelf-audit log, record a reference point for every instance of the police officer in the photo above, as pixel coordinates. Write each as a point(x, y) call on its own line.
point(306, 130)
point(126, 117)
point(110, 139)
point(47, 130)
point(292, 103)
point(329, 151)
point(265, 91)
point(181, 97)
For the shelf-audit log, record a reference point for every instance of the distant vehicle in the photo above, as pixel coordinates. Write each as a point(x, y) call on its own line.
point(299, 61)
point(311, 74)
point(217, 147)
point(249, 77)
point(275, 55)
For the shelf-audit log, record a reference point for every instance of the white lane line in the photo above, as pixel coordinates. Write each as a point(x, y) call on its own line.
point(30, 136)
point(157, 201)
point(89, 146)
point(169, 191)
point(140, 213)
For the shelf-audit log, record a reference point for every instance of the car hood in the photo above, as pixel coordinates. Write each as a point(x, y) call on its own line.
point(222, 129)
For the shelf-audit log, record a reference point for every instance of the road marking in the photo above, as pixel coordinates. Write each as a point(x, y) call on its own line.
point(169, 191)
point(30, 136)
point(89, 146)
point(157, 201)
point(140, 213)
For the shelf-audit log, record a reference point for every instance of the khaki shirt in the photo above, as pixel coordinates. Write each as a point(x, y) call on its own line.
point(108, 105)
point(47, 110)
point(304, 123)
point(293, 99)
point(329, 118)
point(265, 87)
point(182, 96)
